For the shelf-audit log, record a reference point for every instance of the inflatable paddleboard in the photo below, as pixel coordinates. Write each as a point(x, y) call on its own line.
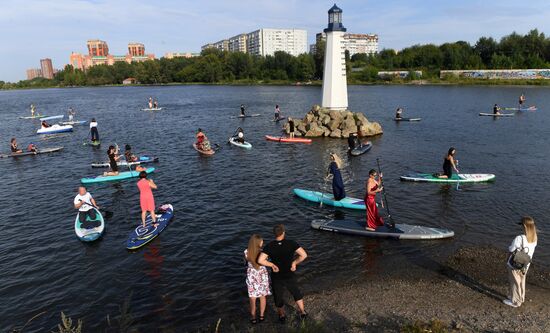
point(245, 145)
point(407, 119)
point(462, 178)
point(247, 116)
point(328, 199)
point(73, 122)
point(27, 153)
point(142, 160)
point(400, 231)
point(152, 109)
point(287, 139)
point(363, 148)
point(204, 152)
point(51, 117)
point(121, 176)
point(90, 230)
point(55, 129)
point(496, 115)
point(141, 236)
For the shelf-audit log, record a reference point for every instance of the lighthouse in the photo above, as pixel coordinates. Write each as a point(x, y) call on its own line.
point(335, 87)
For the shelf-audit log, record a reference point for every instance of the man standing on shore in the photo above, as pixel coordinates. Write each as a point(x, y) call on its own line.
point(284, 256)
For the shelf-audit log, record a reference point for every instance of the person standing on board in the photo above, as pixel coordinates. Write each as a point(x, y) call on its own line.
point(13, 146)
point(521, 100)
point(277, 113)
point(257, 277)
point(93, 130)
point(72, 113)
point(517, 272)
point(156, 104)
point(150, 102)
point(242, 110)
point(32, 110)
point(398, 113)
point(373, 187)
point(337, 183)
point(496, 109)
point(449, 164)
point(285, 255)
point(85, 203)
point(291, 127)
point(146, 199)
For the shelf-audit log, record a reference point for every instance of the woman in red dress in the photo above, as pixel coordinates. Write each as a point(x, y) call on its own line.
point(373, 186)
point(146, 199)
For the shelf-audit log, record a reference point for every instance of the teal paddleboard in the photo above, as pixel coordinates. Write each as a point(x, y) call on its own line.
point(456, 178)
point(328, 199)
point(120, 176)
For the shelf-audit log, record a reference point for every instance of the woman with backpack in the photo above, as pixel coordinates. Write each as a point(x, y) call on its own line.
point(521, 252)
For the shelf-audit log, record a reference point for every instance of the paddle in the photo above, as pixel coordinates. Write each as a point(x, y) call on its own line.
point(385, 199)
point(105, 213)
point(458, 175)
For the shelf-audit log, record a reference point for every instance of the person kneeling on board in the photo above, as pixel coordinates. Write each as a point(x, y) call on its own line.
point(337, 183)
point(373, 187)
point(113, 159)
point(496, 109)
point(449, 164)
point(85, 203)
point(239, 137)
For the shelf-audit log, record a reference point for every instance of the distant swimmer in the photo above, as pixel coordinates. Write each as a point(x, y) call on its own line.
point(496, 109)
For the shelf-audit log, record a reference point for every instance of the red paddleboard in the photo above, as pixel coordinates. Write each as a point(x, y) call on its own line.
point(204, 152)
point(286, 139)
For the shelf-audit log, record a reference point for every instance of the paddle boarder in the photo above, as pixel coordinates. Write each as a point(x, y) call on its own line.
point(146, 199)
point(150, 103)
point(31, 148)
point(337, 183)
point(284, 256)
point(156, 104)
point(32, 110)
point(257, 277)
point(202, 141)
point(93, 130)
point(521, 100)
point(449, 164)
point(44, 124)
point(13, 146)
point(128, 154)
point(496, 109)
point(291, 128)
point(353, 141)
point(112, 152)
point(239, 136)
point(277, 113)
point(242, 110)
point(398, 113)
point(373, 187)
point(72, 113)
point(85, 203)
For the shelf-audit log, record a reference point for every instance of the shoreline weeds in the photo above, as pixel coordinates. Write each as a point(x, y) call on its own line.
point(461, 293)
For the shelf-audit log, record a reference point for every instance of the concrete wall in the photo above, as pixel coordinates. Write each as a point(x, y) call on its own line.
point(508, 74)
point(400, 74)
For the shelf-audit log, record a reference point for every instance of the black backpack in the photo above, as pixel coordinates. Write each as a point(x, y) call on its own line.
point(520, 258)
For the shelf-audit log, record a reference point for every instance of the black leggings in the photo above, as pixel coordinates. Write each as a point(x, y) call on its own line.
point(95, 134)
point(91, 213)
point(279, 285)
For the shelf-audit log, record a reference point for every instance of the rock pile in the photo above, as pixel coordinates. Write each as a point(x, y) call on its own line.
point(335, 124)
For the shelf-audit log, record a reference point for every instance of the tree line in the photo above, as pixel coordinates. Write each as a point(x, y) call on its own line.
point(213, 66)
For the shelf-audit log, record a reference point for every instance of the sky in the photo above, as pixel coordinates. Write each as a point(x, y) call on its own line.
point(35, 29)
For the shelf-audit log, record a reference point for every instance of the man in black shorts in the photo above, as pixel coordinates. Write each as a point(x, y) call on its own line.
point(284, 256)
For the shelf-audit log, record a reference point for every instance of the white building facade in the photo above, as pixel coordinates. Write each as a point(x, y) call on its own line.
point(356, 43)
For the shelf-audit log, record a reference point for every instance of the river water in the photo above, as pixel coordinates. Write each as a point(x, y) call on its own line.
point(193, 272)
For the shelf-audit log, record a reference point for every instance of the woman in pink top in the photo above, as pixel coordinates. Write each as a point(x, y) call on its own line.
point(146, 199)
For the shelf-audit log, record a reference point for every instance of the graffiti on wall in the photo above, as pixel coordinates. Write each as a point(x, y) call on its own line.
point(509, 74)
point(397, 74)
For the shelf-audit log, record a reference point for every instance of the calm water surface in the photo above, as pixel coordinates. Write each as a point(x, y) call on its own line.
point(193, 273)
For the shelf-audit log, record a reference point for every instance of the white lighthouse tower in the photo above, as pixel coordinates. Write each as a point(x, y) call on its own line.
point(335, 87)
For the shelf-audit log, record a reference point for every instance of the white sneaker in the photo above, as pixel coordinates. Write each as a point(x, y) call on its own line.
point(510, 303)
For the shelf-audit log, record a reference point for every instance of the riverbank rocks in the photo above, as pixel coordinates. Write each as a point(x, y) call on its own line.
point(320, 122)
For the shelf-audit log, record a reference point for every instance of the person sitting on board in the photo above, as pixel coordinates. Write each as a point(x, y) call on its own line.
point(72, 113)
point(85, 203)
point(353, 141)
point(113, 159)
point(449, 164)
point(242, 111)
point(32, 110)
point(521, 100)
point(146, 199)
point(155, 104)
point(373, 187)
point(398, 113)
point(496, 109)
point(202, 141)
point(257, 278)
point(44, 124)
point(240, 136)
point(291, 128)
point(31, 148)
point(128, 154)
point(13, 146)
point(277, 113)
point(93, 130)
point(337, 183)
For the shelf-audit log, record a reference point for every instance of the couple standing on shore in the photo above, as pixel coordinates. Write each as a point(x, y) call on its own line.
point(282, 256)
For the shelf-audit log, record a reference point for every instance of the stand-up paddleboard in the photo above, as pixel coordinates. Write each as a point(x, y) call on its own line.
point(496, 115)
point(151, 109)
point(456, 178)
point(407, 119)
point(245, 145)
point(287, 139)
point(204, 152)
point(531, 108)
point(246, 116)
point(400, 231)
point(278, 120)
point(38, 116)
point(28, 153)
point(51, 117)
point(363, 148)
point(73, 122)
point(141, 160)
point(96, 143)
point(55, 129)
point(121, 176)
point(89, 230)
point(328, 199)
point(141, 236)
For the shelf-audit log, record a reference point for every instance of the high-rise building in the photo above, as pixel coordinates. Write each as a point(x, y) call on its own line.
point(47, 68)
point(97, 48)
point(356, 43)
point(33, 73)
point(136, 49)
point(237, 43)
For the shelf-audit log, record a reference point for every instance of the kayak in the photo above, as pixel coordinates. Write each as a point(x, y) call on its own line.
point(152, 109)
point(531, 108)
point(73, 122)
point(39, 151)
point(278, 120)
point(141, 236)
point(204, 152)
point(141, 160)
point(460, 178)
point(496, 115)
point(407, 119)
point(400, 231)
point(33, 117)
point(51, 117)
point(247, 116)
point(328, 199)
point(121, 176)
point(90, 230)
point(287, 139)
point(363, 148)
point(55, 129)
point(245, 145)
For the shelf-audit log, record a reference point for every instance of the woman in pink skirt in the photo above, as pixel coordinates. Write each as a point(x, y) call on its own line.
point(146, 199)
point(257, 277)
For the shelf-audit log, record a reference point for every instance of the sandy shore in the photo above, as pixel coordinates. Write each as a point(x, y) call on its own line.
point(464, 292)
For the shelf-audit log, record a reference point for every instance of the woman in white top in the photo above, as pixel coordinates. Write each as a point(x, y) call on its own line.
point(93, 130)
point(527, 243)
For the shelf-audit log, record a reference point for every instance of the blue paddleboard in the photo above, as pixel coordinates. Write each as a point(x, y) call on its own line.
point(141, 236)
point(328, 199)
